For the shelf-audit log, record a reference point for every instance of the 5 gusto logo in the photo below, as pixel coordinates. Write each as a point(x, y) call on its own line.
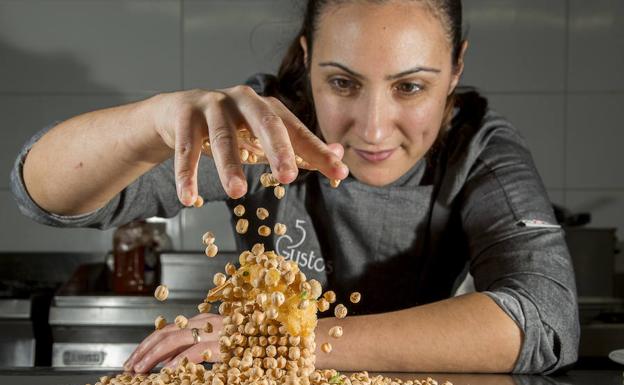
point(290, 247)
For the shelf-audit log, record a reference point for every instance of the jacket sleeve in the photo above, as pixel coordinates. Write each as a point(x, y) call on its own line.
point(152, 194)
point(518, 254)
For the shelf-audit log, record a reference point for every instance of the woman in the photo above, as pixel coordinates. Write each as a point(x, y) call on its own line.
point(437, 183)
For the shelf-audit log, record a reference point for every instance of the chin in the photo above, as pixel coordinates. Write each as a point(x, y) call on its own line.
point(377, 178)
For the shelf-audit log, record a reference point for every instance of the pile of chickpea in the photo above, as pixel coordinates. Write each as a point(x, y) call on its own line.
point(270, 315)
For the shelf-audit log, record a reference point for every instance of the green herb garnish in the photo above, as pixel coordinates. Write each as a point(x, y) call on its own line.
point(336, 379)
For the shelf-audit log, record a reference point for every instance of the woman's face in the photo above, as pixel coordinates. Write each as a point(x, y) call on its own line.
point(380, 76)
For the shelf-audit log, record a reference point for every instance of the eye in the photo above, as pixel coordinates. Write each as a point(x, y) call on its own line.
point(343, 85)
point(409, 88)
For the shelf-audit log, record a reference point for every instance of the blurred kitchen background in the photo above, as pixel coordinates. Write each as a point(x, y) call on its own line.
point(555, 68)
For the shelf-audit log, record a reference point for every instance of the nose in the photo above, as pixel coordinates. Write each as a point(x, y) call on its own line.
point(375, 123)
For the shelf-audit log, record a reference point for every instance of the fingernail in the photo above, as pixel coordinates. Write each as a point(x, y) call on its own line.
point(236, 183)
point(138, 368)
point(187, 197)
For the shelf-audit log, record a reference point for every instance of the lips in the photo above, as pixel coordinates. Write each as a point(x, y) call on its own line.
point(374, 156)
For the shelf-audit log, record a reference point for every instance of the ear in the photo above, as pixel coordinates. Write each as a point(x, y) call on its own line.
point(304, 46)
point(460, 66)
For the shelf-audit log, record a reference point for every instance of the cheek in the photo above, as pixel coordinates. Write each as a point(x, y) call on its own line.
point(421, 125)
point(333, 121)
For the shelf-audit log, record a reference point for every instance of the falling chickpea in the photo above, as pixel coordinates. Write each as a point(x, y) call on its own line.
point(279, 192)
point(330, 296)
point(242, 225)
point(336, 331)
point(160, 322)
point(161, 293)
point(355, 297)
point(262, 213)
point(326, 347)
point(322, 305)
point(340, 311)
point(264, 231)
point(219, 279)
point(239, 210)
point(204, 307)
point(334, 183)
point(208, 238)
point(212, 250)
point(181, 321)
point(279, 229)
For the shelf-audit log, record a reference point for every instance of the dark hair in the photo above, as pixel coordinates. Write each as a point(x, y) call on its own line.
point(293, 87)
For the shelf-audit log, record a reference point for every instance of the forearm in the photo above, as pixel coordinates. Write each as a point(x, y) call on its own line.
point(470, 333)
point(85, 161)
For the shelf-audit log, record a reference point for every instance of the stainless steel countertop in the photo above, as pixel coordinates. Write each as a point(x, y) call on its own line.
point(45, 376)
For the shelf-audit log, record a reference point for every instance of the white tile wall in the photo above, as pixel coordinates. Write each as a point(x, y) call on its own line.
point(594, 152)
point(225, 42)
point(596, 53)
point(515, 45)
point(555, 68)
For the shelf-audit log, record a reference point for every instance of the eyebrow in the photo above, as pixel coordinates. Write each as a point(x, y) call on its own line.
point(388, 77)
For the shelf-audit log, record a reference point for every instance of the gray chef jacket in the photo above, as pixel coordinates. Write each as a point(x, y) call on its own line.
point(475, 204)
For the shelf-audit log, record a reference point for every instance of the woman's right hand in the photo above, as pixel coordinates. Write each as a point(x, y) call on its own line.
point(170, 344)
point(183, 120)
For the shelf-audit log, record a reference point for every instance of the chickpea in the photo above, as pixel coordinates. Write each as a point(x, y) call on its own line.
point(244, 154)
point(212, 250)
point(208, 238)
point(262, 213)
point(219, 279)
point(204, 307)
point(181, 321)
point(264, 231)
point(335, 183)
point(330, 296)
point(257, 249)
point(206, 355)
point(336, 331)
point(277, 298)
point(199, 202)
point(161, 293)
point(355, 297)
point(239, 210)
point(160, 322)
point(279, 229)
point(279, 192)
point(208, 328)
point(230, 269)
point(268, 180)
point(242, 225)
point(326, 347)
point(340, 311)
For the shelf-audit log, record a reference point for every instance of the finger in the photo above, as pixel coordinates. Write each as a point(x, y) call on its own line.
point(312, 149)
point(224, 147)
point(167, 347)
point(268, 126)
point(198, 321)
point(188, 138)
point(195, 353)
point(337, 149)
